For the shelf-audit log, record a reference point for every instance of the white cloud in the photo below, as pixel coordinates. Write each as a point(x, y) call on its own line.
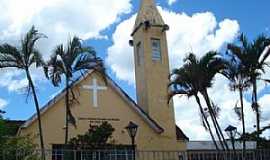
point(15, 81)
point(187, 113)
point(170, 2)
point(265, 103)
point(226, 100)
point(3, 103)
point(120, 55)
point(58, 19)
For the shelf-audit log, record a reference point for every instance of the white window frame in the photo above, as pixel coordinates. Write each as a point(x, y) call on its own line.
point(156, 51)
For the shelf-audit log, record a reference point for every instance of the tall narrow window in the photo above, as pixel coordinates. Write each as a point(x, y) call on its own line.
point(156, 50)
point(139, 53)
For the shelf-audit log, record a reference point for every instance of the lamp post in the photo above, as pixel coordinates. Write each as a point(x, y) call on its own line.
point(231, 132)
point(132, 129)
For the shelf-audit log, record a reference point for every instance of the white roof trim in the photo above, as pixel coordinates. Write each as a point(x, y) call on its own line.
point(131, 103)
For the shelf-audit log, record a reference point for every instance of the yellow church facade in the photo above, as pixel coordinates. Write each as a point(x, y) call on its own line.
point(106, 101)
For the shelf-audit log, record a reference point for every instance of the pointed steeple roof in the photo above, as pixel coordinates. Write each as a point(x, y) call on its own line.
point(148, 12)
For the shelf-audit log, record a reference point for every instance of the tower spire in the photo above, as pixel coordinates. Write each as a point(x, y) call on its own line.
point(148, 12)
point(152, 68)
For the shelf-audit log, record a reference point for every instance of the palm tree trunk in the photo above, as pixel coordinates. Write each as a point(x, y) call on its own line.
point(215, 122)
point(38, 113)
point(243, 122)
point(206, 121)
point(67, 109)
point(215, 125)
point(255, 101)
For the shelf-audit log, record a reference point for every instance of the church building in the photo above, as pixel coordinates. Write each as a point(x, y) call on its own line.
point(101, 100)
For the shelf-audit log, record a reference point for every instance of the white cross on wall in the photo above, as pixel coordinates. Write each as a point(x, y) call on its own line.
point(95, 87)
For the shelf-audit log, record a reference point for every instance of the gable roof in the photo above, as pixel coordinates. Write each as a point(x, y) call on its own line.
point(152, 123)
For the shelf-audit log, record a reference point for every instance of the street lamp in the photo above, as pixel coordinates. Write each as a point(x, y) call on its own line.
point(231, 132)
point(132, 129)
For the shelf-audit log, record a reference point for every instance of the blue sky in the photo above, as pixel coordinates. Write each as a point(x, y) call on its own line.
point(104, 32)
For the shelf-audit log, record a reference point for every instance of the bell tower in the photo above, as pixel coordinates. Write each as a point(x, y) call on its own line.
point(152, 66)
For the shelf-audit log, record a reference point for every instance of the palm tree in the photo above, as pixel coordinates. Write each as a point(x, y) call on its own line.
point(23, 58)
point(183, 82)
point(66, 62)
point(202, 72)
point(207, 67)
point(238, 78)
point(252, 56)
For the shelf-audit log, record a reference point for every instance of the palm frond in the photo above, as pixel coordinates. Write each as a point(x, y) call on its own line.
point(265, 55)
point(88, 62)
point(55, 72)
point(244, 41)
point(265, 80)
point(73, 50)
point(207, 58)
point(236, 51)
point(191, 58)
point(178, 92)
point(46, 70)
point(28, 45)
point(56, 65)
point(36, 58)
point(59, 50)
point(10, 57)
point(196, 74)
point(72, 58)
point(24, 57)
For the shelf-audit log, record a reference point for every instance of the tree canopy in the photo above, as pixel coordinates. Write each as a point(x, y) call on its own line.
point(95, 137)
